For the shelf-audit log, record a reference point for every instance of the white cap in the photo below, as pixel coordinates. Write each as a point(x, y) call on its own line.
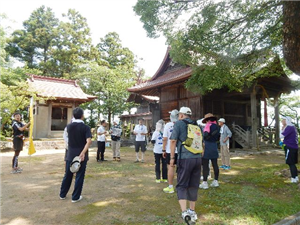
point(185, 110)
point(75, 165)
point(116, 121)
point(222, 120)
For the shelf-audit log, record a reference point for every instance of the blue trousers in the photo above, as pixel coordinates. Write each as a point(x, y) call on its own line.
point(67, 181)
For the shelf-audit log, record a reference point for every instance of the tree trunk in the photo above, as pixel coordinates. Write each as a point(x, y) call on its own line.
point(291, 35)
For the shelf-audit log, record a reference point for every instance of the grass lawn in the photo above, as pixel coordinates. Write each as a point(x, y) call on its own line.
point(252, 192)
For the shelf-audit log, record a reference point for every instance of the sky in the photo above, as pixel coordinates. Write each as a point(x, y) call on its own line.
point(103, 16)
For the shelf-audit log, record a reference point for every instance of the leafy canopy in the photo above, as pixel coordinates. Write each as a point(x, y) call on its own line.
point(225, 42)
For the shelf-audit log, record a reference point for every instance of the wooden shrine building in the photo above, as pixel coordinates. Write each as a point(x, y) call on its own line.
point(55, 112)
point(147, 109)
point(242, 110)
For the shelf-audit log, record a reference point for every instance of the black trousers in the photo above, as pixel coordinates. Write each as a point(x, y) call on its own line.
point(101, 150)
point(205, 163)
point(159, 160)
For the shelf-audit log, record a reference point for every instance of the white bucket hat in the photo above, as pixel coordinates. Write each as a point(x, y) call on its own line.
point(75, 164)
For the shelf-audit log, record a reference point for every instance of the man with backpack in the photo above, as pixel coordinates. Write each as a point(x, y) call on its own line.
point(189, 164)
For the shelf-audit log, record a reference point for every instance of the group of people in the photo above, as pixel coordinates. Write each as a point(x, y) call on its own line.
point(169, 150)
point(115, 132)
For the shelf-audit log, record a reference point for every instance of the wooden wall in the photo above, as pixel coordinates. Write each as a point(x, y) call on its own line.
point(176, 96)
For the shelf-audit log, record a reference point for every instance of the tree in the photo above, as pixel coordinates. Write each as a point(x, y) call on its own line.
point(73, 45)
point(109, 77)
point(221, 40)
point(32, 45)
point(58, 48)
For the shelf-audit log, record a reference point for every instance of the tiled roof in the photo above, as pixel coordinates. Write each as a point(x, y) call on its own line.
point(171, 76)
point(58, 88)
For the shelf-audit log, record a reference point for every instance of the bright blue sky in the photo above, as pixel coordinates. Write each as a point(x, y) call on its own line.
point(103, 16)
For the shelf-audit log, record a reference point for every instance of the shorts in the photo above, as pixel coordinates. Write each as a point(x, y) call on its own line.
point(139, 144)
point(169, 158)
point(18, 144)
point(291, 155)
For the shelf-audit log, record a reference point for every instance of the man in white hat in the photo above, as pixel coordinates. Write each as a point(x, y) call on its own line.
point(116, 133)
point(189, 167)
point(225, 134)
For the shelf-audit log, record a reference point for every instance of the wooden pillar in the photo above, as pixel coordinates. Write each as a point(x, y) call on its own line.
point(49, 118)
point(277, 122)
point(254, 118)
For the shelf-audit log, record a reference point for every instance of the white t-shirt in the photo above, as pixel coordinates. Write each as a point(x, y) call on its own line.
point(101, 137)
point(140, 129)
point(158, 137)
point(167, 133)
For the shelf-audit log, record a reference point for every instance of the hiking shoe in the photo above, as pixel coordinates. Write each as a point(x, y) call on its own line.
point(193, 215)
point(294, 180)
point(168, 190)
point(118, 159)
point(203, 185)
point(215, 183)
point(186, 216)
point(163, 180)
point(80, 198)
point(222, 167)
point(157, 181)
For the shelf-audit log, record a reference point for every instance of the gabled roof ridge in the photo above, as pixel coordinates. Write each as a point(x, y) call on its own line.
point(40, 77)
point(163, 64)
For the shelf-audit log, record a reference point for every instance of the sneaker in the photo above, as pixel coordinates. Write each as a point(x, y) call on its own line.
point(294, 180)
point(114, 158)
point(157, 181)
point(186, 216)
point(203, 185)
point(193, 214)
point(222, 167)
point(142, 161)
point(62, 198)
point(164, 181)
point(137, 160)
point(227, 168)
point(80, 198)
point(14, 171)
point(169, 190)
point(297, 179)
point(215, 183)
point(118, 159)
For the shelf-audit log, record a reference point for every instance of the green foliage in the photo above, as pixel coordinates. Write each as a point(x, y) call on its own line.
point(225, 42)
point(289, 106)
point(109, 77)
point(57, 48)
